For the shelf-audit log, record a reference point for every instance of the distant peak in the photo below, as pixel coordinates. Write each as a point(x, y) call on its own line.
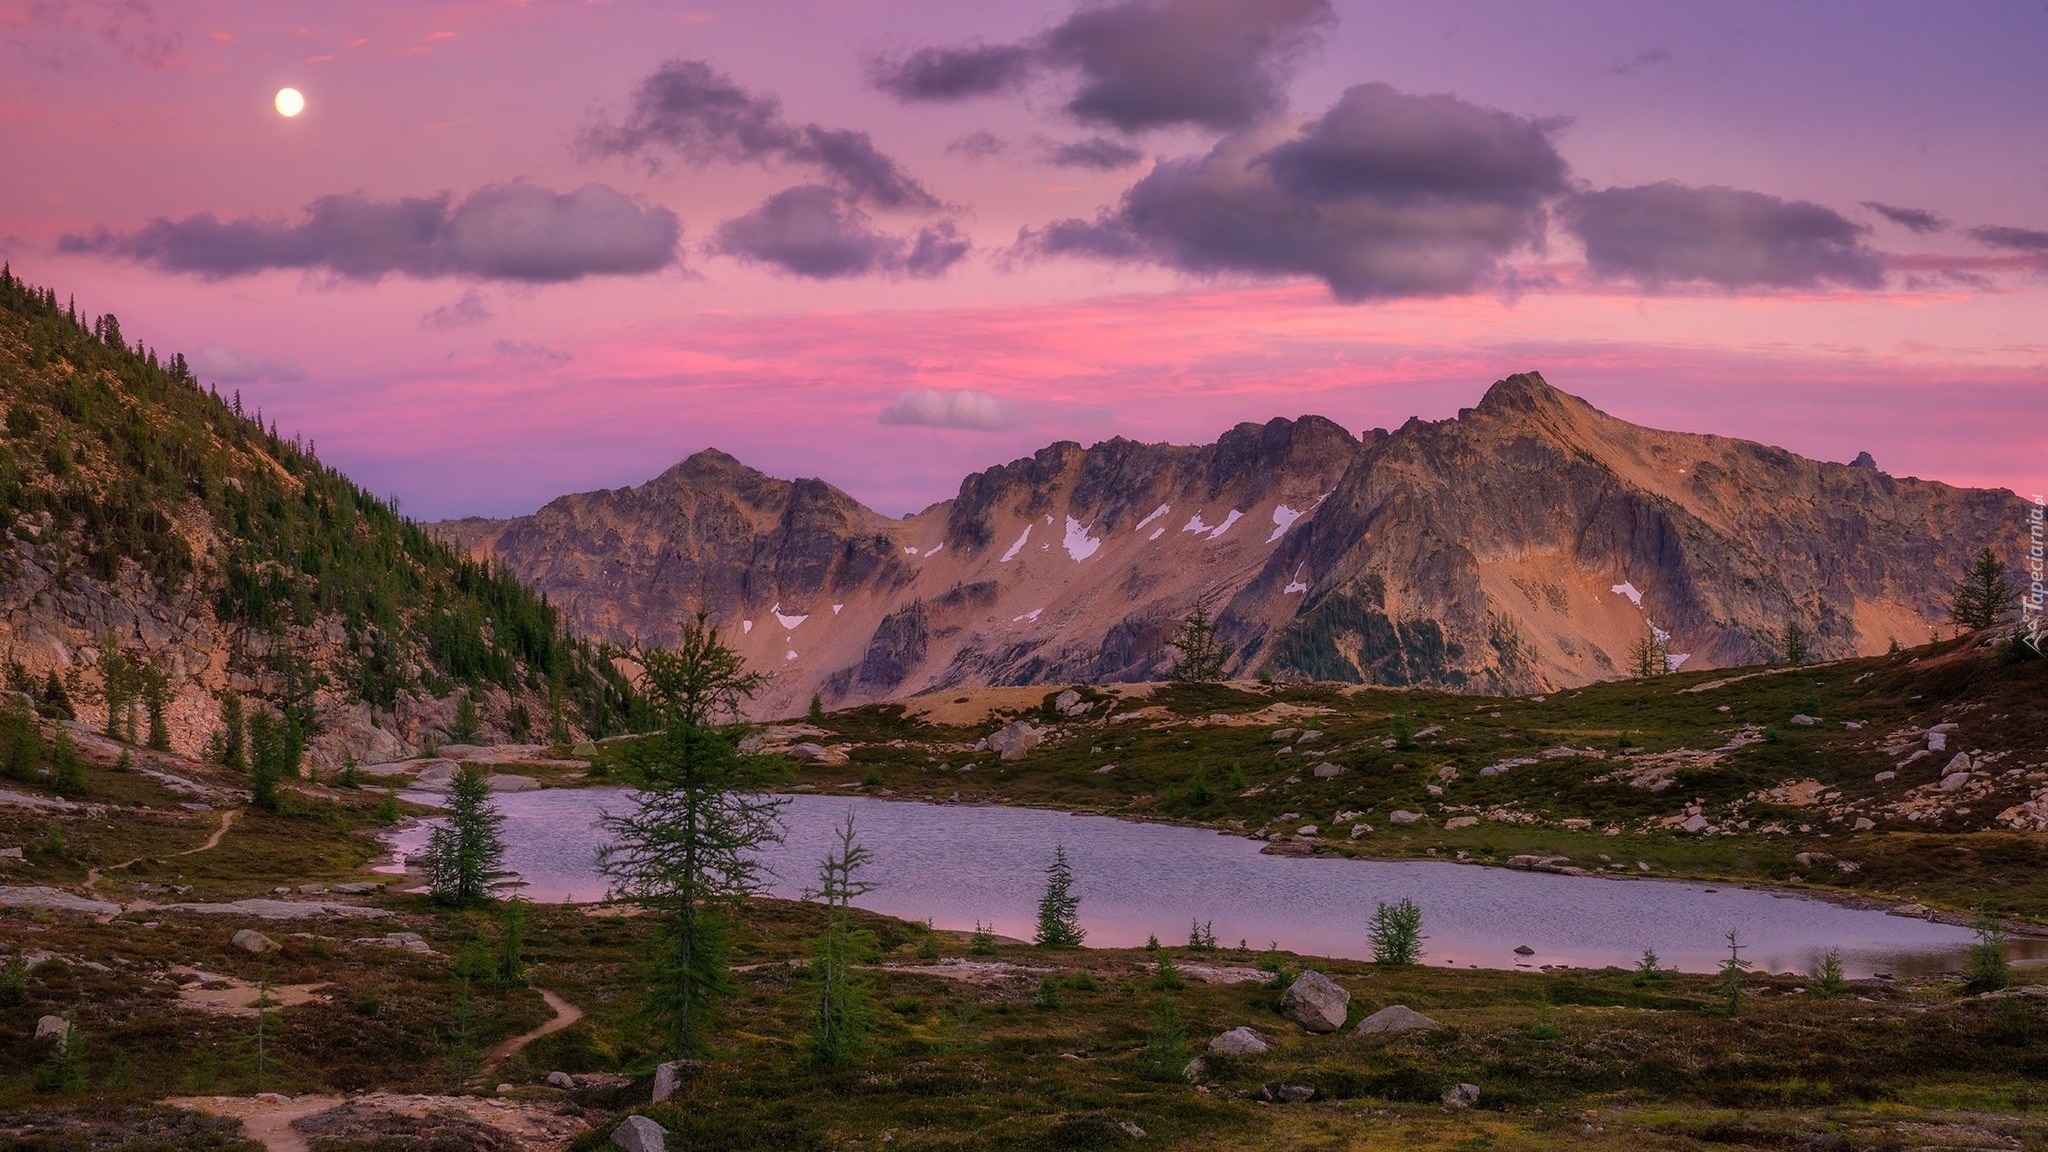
point(1522, 392)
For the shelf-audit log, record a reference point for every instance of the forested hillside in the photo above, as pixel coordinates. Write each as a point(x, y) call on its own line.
point(169, 554)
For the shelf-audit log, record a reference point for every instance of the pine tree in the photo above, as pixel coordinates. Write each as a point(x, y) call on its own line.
point(21, 742)
point(512, 944)
point(265, 752)
point(156, 692)
point(687, 850)
point(466, 727)
point(841, 1020)
point(1059, 910)
point(1647, 657)
point(1794, 641)
point(1200, 654)
point(1732, 970)
point(56, 702)
point(1983, 596)
point(464, 851)
point(67, 767)
point(1396, 932)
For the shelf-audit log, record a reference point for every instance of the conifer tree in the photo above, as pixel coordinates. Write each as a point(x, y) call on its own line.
point(56, 702)
point(1983, 596)
point(1647, 657)
point(687, 850)
point(840, 1022)
point(1200, 655)
point(465, 850)
point(67, 767)
point(1059, 910)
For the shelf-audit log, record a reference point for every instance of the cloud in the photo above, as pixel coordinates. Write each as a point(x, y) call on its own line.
point(465, 311)
point(1917, 220)
point(530, 351)
point(1658, 234)
point(818, 232)
point(1647, 58)
point(937, 408)
point(1098, 153)
point(2017, 239)
point(953, 73)
point(1384, 195)
point(56, 33)
point(516, 231)
point(978, 145)
point(219, 365)
point(690, 110)
point(1136, 64)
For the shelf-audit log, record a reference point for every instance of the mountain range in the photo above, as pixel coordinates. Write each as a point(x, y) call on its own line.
point(1530, 543)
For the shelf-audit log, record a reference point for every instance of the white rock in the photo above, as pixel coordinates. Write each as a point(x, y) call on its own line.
point(53, 1028)
point(1403, 816)
point(639, 1134)
point(1316, 1002)
point(1865, 824)
point(667, 1079)
point(1960, 763)
point(1457, 822)
point(1325, 770)
point(1952, 783)
point(1392, 1019)
point(1239, 1042)
point(1016, 739)
point(1462, 1096)
point(252, 941)
point(1805, 721)
point(561, 1080)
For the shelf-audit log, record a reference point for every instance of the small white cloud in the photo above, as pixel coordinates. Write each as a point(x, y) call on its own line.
point(226, 366)
point(937, 408)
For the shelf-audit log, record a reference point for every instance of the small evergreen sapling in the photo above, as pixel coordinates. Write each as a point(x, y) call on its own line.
point(1059, 910)
point(1396, 933)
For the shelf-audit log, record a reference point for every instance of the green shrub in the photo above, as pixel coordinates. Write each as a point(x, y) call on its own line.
point(1396, 933)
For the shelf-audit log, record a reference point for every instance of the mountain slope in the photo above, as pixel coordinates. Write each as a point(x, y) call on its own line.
point(1529, 543)
point(161, 545)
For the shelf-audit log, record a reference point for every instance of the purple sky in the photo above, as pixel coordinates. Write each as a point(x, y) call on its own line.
point(512, 250)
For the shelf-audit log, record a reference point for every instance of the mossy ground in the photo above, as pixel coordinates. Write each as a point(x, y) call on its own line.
point(1564, 1059)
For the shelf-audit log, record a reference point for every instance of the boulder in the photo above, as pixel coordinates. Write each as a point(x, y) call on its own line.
point(1457, 822)
point(1239, 1042)
point(54, 1028)
point(668, 1078)
point(1805, 721)
point(506, 782)
point(1197, 1070)
point(583, 750)
point(1287, 1093)
point(1015, 739)
point(639, 1134)
point(1937, 741)
point(1959, 763)
point(1462, 1096)
point(1524, 950)
point(356, 888)
point(1316, 1002)
point(1952, 783)
point(254, 942)
point(1310, 736)
point(1394, 1018)
point(1403, 816)
point(1285, 734)
point(1325, 770)
point(561, 1080)
point(1695, 823)
point(438, 774)
point(1865, 824)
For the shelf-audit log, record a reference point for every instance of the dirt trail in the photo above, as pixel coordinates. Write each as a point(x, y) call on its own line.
point(268, 1122)
point(93, 875)
point(565, 1015)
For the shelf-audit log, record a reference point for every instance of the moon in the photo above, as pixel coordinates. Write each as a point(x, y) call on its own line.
point(290, 102)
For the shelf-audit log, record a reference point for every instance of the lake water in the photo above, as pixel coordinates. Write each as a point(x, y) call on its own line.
point(956, 864)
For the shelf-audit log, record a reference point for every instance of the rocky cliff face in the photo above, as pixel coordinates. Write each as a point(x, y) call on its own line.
point(1529, 543)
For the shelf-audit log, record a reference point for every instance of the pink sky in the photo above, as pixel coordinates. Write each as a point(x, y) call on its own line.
point(1826, 230)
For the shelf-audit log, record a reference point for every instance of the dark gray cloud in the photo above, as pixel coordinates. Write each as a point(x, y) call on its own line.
point(954, 73)
point(465, 311)
point(59, 33)
point(1097, 153)
point(1658, 234)
point(218, 365)
point(979, 145)
point(820, 233)
point(1917, 220)
point(1647, 58)
point(2016, 239)
point(531, 351)
point(690, 110)
point(1137, 64)
point(1385, 195)
point(515, 231)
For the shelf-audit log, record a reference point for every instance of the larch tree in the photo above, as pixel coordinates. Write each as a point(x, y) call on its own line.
point(1984, 595)
point(465, 852)
point(687, 850)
